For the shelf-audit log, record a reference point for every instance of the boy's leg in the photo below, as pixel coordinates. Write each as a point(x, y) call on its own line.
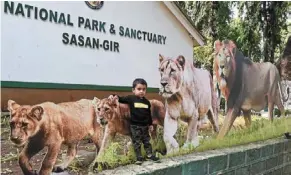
point(147, 145)
point(136, 137)
point(146, 140)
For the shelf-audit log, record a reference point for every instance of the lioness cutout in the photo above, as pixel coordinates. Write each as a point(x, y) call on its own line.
point(115, 117)
point(189, 95)
point(245, 85)
point(49, 124)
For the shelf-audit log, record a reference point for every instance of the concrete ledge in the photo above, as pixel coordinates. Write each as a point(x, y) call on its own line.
point(267, 157)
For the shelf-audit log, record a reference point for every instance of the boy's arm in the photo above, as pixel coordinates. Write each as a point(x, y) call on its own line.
point(125, 99)
point(150, 117)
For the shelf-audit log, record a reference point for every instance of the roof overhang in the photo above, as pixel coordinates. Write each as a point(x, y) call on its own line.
point(186, 22)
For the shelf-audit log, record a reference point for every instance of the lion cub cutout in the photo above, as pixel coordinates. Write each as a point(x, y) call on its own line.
point(51, 125)
point(189, 95)
point(114, 116)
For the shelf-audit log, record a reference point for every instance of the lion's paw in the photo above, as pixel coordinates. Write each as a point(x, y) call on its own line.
point(173, 150)
point(58, 169)
point(194, 143)
point(186, 145)
point(35, 172)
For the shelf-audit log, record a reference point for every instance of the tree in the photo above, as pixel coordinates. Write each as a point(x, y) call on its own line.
point(259, 31)
point(210, 18)
point(266, 18)
point(250, 36)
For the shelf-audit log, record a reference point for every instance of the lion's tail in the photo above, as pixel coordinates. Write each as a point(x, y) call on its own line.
point(284, 99)
point(215, 107)
point(279, 84)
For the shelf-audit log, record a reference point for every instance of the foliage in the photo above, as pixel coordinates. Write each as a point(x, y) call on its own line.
point(250, 36)
point(285, 33)
point(260, 31)
point(210, 17)
point(203, 56)
point(267, 18)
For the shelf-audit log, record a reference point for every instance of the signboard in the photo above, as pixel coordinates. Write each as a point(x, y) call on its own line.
point(76, 43)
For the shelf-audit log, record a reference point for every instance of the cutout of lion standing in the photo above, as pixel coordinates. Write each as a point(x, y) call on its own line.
point(51, 125)
point(245, 85)
point(189, 95)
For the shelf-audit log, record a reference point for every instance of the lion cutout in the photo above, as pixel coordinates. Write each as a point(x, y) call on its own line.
point(189, 95)
point(51, 125)
point(114, 116)
point(245, 85)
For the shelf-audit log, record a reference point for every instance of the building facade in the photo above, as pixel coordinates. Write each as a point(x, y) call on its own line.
point(65, 51)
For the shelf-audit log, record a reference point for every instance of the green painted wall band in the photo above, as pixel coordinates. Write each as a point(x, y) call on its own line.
point(42, 85)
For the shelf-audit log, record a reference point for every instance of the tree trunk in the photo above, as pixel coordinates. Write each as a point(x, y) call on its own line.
point(272, 31)
point(265, 32)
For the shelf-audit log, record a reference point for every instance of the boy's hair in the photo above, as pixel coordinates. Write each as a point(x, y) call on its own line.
point(139, 81)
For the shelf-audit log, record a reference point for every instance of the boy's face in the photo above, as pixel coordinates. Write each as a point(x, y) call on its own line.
point(139, 90)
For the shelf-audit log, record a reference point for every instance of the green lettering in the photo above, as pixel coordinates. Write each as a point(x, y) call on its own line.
point(29, 8)
point(94, 25)
point(144, 33)
point(133, 33)
point(43, 14)
point(102, 26)
point(65, 38)
point(81, 40)
point(116, 47)
point(53, 16)
point(95, 43)
point(164, 39)
point(35, 12)
point(9, 6)
point(159, 39)
point(150, 37)
point(73, 40)
point(138, 34)
point(62, 19)
point(80, 21)
point(19, 10)
point(121, 30)
point(88, 42)
point(155, 39)
point(87, 24)
point(106, 45)
point(69, 20)
point(127, 34)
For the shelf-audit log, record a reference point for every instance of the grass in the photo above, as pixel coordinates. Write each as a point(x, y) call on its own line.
point(261, 129)
point(118, 154)
point(9, 157)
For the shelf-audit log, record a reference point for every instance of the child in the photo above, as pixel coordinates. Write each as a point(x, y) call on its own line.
point(140, 120)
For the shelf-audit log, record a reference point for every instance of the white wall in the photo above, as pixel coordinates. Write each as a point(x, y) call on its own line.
point(33, 51)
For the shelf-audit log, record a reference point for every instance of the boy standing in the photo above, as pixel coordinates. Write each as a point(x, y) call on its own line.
point(140, 120)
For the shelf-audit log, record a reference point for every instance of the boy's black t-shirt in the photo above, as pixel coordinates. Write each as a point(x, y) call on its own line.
point(140, 110)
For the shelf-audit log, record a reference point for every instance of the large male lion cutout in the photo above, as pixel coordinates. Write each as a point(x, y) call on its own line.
point(245, 85)
point(115, 117)
point(189, 95)
point(51, 125)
